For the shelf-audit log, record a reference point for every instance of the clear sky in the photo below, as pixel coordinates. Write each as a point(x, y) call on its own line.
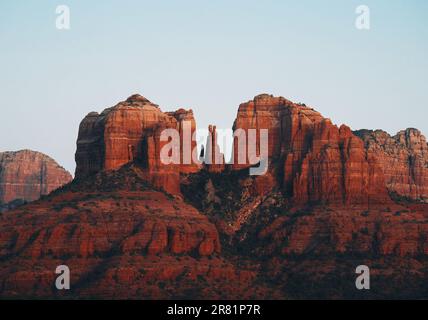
point(209, 56)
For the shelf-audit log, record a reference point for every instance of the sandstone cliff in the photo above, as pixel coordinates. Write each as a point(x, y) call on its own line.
point(317, 161)
point(403, 159)
point(26, 175)
point(130, 132)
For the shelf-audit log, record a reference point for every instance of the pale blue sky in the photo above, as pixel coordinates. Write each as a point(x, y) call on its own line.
point(208, 56)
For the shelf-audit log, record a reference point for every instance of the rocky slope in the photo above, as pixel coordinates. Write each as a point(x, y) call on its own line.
point(27, 175)
point(323, 207)
point(130, 226)
point(120, 239)
point(404, 161)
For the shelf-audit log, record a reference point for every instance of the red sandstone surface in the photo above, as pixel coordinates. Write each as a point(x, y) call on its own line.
point(27, 175)
point(403, 159)
point(319, 161)
point(120, 238)
point(130, 226)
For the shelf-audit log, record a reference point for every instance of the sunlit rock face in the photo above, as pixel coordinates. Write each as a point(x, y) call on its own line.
point(317, 161)
point(130, 132)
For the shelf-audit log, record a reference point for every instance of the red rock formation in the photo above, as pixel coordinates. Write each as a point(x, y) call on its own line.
point(121, 134)
point(27, 175)
point(264, 112)
point(299, 230)
point(394, 230)
point(214, 158)
point(158, 171)
point(319, 161)
point(112, 230)
point(404, 161)
point(188, 146)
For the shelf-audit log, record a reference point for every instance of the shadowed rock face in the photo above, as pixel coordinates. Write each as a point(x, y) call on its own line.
point(26, 175)
point(120, 238)
point(403, 159)
point(132, 227)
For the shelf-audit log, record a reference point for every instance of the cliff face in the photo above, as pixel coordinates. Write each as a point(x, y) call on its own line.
point(113, 138)
point(318, 162)
point(314, 161)
point(404, 161)
point(130, 131)
point(26, 175)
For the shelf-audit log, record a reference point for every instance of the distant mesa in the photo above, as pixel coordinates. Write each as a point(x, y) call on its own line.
point(27, 175)
point(403, 159)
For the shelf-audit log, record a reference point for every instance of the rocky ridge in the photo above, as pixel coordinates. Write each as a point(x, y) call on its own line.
point(403, 159)
point(27, 175)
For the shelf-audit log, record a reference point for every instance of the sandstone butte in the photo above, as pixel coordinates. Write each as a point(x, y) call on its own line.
point(403, 159)
point(129, 226)
point(27, 175)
